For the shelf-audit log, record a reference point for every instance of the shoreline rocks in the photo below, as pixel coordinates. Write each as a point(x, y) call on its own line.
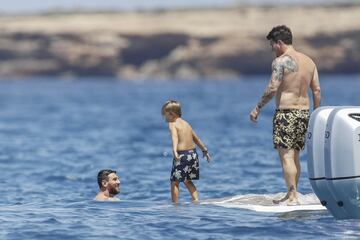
point(188, 44)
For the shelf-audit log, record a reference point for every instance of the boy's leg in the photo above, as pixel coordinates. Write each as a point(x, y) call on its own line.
point(192, 190)
point(175, 191)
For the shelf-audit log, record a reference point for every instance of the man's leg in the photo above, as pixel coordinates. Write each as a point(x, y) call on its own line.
point(298, 166)
point(175, 191)
point(287, 157)
point(192, 190)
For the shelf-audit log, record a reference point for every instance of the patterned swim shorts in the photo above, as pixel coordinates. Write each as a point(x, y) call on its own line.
point(289, 128)
point(187, 168)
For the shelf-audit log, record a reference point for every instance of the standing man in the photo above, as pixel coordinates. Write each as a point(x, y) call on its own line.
point(109, 184)
point(292, 75)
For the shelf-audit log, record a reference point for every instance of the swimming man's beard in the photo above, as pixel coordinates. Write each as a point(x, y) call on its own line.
point(114, 190)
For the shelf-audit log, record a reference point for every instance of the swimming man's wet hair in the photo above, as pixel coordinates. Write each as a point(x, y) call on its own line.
point(171, 106)
point(104, 175)
point(282, 33)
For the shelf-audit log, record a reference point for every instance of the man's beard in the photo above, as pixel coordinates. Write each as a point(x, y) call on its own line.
point(114, 190)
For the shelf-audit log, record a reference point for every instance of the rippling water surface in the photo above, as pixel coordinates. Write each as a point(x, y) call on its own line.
point(56, 135)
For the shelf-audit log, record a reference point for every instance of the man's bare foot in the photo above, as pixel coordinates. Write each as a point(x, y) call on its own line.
point(278, 201)
point(292, 198)
point(293, 202)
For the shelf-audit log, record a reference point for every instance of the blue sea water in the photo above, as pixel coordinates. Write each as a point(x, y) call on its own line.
point(55, 135)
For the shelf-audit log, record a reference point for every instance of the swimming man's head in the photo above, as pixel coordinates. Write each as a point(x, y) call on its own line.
point(108, 180)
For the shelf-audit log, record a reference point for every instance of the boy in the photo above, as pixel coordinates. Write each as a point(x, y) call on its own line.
point(184, 140)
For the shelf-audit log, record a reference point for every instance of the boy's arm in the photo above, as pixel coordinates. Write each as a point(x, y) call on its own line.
point(198, 142)
point(201, 145)
point(175, 140)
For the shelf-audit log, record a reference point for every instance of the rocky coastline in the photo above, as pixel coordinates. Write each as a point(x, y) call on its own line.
point(182, 44)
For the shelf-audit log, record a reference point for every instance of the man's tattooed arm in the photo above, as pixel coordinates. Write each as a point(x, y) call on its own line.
point(280, 66)
point(276, 78)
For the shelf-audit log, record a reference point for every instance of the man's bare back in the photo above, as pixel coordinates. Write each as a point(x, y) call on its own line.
point(299, 72)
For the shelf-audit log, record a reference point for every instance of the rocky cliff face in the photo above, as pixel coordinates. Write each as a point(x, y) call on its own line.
point(188, 44)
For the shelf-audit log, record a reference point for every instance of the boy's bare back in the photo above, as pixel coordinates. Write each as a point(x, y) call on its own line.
point(185, 134)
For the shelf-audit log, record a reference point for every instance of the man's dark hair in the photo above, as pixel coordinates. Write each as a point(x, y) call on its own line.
point(282, 33)
point(104, 175)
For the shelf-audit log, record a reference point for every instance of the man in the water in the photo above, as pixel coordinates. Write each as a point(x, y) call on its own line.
point(292, 75)
point(109, 184)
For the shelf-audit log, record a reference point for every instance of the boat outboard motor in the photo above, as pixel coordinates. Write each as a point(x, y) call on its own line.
point(316, 160)
point(342, 160)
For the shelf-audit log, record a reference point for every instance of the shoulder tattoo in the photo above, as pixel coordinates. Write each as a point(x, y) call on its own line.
point(290, 64)
point(280, 65)
point(278, 69)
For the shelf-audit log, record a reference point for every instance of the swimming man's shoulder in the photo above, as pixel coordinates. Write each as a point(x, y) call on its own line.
point(100, 197)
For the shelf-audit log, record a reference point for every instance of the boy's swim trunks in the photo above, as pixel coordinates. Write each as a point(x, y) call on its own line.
point(289, 128)
point(187, 168)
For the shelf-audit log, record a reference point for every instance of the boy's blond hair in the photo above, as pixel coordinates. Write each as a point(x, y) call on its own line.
point(171, 106)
